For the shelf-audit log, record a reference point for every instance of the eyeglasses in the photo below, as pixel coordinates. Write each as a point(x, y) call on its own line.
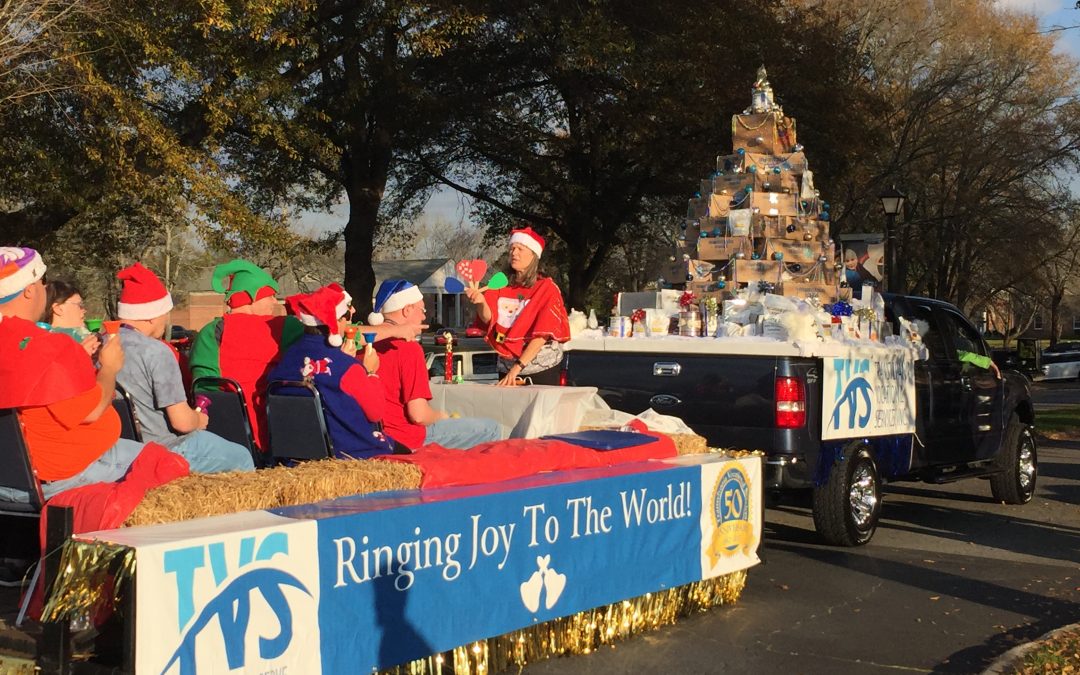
point(79, 304)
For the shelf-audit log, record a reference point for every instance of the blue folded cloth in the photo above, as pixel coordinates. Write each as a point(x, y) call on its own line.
point(602, 439)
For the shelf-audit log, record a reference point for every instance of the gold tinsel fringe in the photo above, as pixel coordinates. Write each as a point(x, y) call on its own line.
point(91, 575)
point(90, 568)
point(581, 633)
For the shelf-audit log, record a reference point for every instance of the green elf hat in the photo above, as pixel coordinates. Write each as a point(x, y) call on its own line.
point(242, 283)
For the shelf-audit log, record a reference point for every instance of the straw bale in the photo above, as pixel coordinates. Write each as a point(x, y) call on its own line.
point(202, 495)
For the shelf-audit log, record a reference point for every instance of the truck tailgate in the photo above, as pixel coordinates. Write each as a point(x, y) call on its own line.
point(728, 399)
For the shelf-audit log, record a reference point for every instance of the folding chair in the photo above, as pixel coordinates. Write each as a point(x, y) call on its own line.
point(129, 421)
point(297, 426)
point(228, 412)
point(18, 475)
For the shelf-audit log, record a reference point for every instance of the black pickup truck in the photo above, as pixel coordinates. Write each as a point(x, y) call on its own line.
point(965, 421)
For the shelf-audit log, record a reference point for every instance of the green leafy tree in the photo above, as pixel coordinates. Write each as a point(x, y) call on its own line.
point(295, 104)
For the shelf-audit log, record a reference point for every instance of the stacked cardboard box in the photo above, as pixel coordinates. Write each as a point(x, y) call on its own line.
point(757, 220)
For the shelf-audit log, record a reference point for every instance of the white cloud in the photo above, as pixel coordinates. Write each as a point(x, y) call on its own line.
point(1039, 8)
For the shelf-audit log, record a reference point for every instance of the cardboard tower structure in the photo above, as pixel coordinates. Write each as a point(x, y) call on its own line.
point(757, 222)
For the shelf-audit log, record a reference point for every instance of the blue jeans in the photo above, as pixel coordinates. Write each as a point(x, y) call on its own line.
point(109, 468)
point(463, 433)
point(207, 452)
point(204, 451)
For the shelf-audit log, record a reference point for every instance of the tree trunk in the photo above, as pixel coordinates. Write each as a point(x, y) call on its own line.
point(364, 202)
point(583, 270)
point(1055, 317)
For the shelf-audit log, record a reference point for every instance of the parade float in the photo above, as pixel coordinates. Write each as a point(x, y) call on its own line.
point(499, 556)
point(440, 565)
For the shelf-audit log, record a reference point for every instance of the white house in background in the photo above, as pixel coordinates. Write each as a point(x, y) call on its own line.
point(430, 275)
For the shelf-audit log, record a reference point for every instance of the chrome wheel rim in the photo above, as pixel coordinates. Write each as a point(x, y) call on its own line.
point(1026, 465)
point(863, 495)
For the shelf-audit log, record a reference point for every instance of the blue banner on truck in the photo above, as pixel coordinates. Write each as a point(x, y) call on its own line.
point(363, 583)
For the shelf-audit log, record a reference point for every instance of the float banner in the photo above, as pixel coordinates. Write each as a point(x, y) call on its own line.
point(868, 392)
point(362, 583)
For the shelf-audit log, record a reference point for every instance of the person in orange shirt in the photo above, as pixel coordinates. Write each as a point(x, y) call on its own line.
point(65, 405)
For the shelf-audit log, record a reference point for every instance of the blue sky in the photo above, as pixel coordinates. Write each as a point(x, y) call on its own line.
point(1052, 14)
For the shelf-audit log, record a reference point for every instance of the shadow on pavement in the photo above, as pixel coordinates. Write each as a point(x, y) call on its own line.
point(992, 530)
point(1047, 613)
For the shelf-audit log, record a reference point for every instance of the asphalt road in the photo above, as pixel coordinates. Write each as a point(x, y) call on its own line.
point(950, 581)
point(1064, 392)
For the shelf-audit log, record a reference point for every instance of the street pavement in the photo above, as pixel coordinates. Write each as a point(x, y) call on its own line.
point(1054, 394)
point(950, 581)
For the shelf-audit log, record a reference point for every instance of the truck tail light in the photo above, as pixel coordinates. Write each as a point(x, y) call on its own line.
point(790, 403)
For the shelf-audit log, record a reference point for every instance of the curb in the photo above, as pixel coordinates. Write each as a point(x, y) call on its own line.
point(1003, 664)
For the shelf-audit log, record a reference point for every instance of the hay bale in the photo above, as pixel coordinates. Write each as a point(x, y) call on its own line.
point(685, 444)
point(201, 495)
point(690, 444)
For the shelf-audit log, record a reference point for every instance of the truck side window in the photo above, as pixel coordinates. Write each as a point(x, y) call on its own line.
point(484, 363)
point(932, 336)
point(964, 337)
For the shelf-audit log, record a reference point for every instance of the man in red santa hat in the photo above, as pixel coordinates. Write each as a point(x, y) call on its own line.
point(152, 377)
point(349, 387)
point(72, 431)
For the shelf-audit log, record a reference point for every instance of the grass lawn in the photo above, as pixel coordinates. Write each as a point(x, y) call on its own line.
point(1060, 654)
point(1065, 419)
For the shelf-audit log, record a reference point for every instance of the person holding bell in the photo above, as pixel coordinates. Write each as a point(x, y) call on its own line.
point(525, 321)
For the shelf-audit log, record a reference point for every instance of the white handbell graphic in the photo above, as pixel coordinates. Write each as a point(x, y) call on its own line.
point(554, 583)
point(545, 579)
point(530, 590)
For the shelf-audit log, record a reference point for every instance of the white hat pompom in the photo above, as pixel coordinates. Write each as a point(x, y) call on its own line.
point(374, 319)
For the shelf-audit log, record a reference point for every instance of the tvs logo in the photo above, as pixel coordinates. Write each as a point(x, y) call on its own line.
point(733, 532)
point(231, 607)
point(853, 394)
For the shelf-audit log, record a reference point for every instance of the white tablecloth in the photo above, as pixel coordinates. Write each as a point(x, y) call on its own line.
point(524, 412)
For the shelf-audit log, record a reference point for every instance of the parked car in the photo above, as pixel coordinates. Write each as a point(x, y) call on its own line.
point(181, 338)
point(1063, 347)
point(475, 365)
point(470, 332)
point(1060, 366)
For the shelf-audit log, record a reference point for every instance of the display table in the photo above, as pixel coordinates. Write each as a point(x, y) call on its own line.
point(524, 412)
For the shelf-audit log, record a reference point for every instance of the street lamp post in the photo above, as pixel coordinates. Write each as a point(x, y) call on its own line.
point(892, 200)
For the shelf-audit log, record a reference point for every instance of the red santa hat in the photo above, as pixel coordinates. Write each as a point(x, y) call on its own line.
point(19, 267)
point(529, 239)
point(322, 307)
point(143, 297)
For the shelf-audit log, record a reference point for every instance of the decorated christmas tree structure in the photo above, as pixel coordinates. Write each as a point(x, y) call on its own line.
point(757, 221)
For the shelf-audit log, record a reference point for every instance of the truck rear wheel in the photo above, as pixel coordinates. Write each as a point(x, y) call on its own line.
point(1020, 463)
point(847, 507)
